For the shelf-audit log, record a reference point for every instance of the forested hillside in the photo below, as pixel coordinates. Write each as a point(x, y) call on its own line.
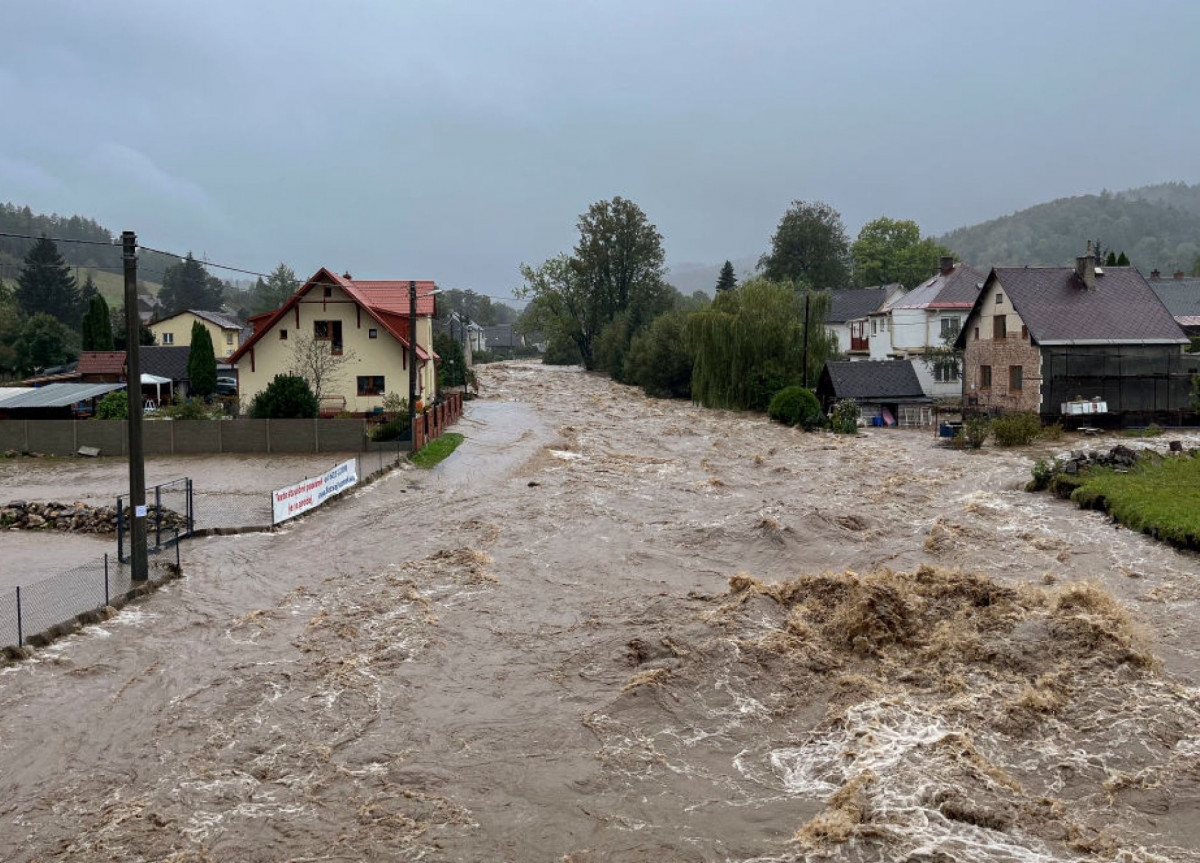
point(104, 259)
point(1156, 226)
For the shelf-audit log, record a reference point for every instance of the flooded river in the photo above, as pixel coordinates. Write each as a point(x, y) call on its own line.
point(612, 628)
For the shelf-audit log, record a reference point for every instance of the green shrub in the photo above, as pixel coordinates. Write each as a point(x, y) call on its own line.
point(659, 360)
point(1043, 472)
point(796, 406)
point(1016, 429)
point(286, 397)
point(394, 429)
point(1054, 431)
point(194, 408)
point(484, 357)
point(114, 406)
point(845, 417)
point(766, 380)
point(976, 430)
point(562, 351)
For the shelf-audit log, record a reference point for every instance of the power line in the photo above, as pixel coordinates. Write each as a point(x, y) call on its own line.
point(110, 243)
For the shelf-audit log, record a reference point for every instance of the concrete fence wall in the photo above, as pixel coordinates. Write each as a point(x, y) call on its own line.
point(185, 437)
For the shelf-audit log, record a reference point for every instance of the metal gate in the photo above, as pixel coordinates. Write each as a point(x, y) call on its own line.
point(170, 517)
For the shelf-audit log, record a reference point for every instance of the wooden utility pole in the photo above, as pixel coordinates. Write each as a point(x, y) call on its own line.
point(807, 296)
point(133, 387)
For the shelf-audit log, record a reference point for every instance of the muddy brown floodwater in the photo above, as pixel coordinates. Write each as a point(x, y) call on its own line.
point(612, 628)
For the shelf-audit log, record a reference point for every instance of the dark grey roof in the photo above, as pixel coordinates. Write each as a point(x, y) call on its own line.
point(58, 395)
point(166, 361)
point(1180, 296)
point(872, 380)
point(857, 303)
point(1056, 307)
point(956, 289)
point(223, 321)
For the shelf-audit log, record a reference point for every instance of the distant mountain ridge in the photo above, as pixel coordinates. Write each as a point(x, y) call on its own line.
point(1157, 226)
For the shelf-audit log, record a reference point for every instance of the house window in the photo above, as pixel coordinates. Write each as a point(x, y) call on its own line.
point(949, 327)
point(168, 338)
point(874, 326)
point(329, 331)
point(946, 372)
point(283, 335)
point(1024, 331)
point(1016, 378)
point(372, 333)
point(977, 334)
point(370, 385)
point(1000, 328)
point(985, 377)
point(229, 338)
point(328, 292)
point(999, 298)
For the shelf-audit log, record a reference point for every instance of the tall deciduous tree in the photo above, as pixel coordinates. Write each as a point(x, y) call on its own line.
point(617, 267)
point(727, 281)
point(46, 286)
point(202, 362)
point(10, 330)
point(187, 285)
point(315, 362)
point(750, 343)
point(44, 341)
point(96, 329)
point(809, 248)
point(891, 250)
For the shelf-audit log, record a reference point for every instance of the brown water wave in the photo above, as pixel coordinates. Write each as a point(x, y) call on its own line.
point(535, 652)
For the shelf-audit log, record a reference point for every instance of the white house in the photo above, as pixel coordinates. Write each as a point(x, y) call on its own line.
point(929, 316)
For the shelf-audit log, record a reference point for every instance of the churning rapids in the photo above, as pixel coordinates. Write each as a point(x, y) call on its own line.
point(611, 628)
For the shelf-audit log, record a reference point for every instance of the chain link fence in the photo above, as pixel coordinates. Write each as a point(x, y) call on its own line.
point(34, 608)
point(174, 511)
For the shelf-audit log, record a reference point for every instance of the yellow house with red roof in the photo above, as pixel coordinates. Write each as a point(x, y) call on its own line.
point(364, 323)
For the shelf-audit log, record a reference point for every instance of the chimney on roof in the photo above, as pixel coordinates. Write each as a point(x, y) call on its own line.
point(1179, 275)
point(1154, 275)
point(1085, 267)
point(946, 264)
point(347, 277)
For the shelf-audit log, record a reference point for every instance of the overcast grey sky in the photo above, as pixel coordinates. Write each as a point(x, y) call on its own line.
point(454, 140)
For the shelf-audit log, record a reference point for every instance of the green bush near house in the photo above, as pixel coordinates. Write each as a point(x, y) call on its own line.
point(1053, 431)
point(394, 429)
point(975, 431)
point(285, 397)
point(1016, 429)
point(844, 419)
point(796, 406)
point(114, 406)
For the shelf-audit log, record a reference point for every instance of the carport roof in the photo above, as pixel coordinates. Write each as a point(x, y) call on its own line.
point(58, 395)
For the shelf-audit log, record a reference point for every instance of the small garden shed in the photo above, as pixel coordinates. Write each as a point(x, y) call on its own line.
point(888, 392)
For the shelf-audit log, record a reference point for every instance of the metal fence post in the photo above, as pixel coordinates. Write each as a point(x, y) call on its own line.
point(157, 517)
point(120, 530)
point(178, 562)
point(191, 509)
point(20, 633)
point(106, 578)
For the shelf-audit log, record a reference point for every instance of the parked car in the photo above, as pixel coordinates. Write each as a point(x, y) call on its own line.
point(227, 386)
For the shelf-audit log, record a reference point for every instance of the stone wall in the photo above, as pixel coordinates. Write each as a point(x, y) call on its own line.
point(1001, 355)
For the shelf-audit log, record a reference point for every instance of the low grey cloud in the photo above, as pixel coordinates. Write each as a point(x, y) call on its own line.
point(455, 140)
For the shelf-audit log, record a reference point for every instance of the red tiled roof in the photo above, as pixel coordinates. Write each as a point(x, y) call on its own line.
point(386, 301)
point(101, 363)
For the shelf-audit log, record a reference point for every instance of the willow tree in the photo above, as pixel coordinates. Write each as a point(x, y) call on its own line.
point(750, 343)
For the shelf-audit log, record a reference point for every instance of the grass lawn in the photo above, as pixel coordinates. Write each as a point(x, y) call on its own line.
point(437, 450)
point(1161, 498)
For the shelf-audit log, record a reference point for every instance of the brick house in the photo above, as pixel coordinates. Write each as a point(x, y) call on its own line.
point(1038, 337)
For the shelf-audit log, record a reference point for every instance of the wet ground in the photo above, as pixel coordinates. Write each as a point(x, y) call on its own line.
point(622, 629)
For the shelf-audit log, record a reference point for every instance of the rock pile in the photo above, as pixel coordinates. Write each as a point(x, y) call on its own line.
point(76, 517)
point(1065, 473)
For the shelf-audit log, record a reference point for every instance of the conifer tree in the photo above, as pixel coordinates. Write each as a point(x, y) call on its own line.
point(202, 362)
point(46, 285)
point(1122, 260)
point(727, 280)
point(1111, 260)
point(96, 329)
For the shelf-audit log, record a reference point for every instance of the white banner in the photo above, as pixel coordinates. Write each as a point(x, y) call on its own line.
point(303, 496)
